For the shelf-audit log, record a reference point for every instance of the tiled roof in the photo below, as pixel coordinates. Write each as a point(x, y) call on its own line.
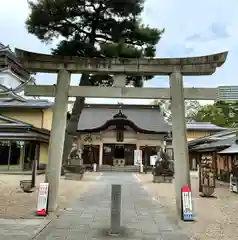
point(231, 150)
point(143, 116)
point(211, 138)
point(220, 143)
point(204, 126)
point(40, 104)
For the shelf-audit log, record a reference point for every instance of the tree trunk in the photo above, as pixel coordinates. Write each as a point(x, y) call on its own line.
point(72, 124)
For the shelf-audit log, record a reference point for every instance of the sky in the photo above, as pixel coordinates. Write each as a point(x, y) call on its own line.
point(192, 28)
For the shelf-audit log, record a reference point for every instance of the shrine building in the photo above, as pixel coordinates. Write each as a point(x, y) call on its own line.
point(109, 134)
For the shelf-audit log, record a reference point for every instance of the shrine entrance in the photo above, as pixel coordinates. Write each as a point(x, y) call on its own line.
point(174, 68)
point(118, 154)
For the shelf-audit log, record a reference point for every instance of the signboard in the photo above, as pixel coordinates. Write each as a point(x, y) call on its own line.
point(207, 172)
point(42, 201)
point(233, 184)
point(231, 187)
point(137, 157)
point(187, 208)
point(153, 160)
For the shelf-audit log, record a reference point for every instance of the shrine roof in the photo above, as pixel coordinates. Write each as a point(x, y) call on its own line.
point(145, 117)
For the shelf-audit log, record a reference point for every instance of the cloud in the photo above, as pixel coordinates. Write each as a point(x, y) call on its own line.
point(214, 32)
point(192, 28)
point(219, 30)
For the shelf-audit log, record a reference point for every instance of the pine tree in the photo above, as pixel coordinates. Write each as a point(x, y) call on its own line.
point(93, 28)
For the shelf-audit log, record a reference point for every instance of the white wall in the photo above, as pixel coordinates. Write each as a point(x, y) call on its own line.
point(10, 80)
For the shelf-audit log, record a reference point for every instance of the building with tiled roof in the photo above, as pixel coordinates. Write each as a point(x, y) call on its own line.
point(13, 76)
point(221, 146)
point(140, 126)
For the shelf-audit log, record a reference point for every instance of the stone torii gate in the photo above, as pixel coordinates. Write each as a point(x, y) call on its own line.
point(175, 68)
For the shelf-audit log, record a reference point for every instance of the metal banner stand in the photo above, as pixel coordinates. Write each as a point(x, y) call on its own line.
point(42, 202)
point(186, 202)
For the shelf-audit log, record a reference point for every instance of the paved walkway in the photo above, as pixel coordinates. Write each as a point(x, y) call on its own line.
point(21, 229)
point(89, 217)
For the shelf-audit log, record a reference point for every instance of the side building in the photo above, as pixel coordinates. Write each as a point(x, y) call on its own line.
point(24, 134)
point(222, 147)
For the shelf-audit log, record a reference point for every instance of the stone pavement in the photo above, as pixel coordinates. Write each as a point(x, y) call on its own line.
point(21, 229)
point(89, 217)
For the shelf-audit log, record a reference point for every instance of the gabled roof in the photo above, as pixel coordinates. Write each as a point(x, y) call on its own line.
point(203, 126)
point(8, 58)
point(11, 128)
point(213, 137)
point(222, 139)
point(147, 117)
point(7, 121)
point(233, 149)
point(7, 94)
point(216, 144)
point(144, 117)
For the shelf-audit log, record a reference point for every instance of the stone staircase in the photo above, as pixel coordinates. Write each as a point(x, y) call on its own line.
point(107, 168)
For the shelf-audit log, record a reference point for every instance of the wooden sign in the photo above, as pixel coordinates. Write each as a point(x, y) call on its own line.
point(187, 208)
point(207, 172)
point(41, 209)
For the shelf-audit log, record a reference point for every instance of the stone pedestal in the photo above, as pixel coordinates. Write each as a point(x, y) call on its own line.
point(74, 176)
point(207, 191)
point(75, 162)
point(118, 162)
point(162, 179)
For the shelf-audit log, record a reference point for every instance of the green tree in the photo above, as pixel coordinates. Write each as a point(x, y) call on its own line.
point(191, 107)
point(93, 28)
point(223, 114)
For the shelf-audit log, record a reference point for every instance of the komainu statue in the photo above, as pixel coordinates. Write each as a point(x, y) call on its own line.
point(74, 168)
point(163, 170)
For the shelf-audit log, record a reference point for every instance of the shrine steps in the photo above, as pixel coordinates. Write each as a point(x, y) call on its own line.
point(106, 168)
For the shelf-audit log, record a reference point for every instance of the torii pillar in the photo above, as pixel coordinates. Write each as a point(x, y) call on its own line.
point(57, 137)
point(180, 145)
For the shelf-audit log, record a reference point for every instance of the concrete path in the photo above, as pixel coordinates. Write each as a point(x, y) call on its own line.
point(89, 217)
point(21, 229)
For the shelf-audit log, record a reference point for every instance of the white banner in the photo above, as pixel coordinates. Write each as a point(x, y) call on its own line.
point(137, 157)
point(153, 159)
point(42, 201)
point(187, 210)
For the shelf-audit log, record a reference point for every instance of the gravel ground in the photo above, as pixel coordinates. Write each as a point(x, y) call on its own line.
point(216, 218)
point(14, 203)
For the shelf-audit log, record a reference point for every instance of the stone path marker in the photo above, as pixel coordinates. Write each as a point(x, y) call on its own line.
point(115, 210)
point(89, 216)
